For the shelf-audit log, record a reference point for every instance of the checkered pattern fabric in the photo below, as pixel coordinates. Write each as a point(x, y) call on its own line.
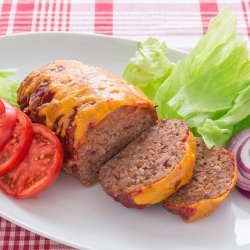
point(180, 23)
point(13, 237)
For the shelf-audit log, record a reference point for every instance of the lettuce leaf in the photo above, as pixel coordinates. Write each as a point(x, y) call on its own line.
point(210, 95)
point(150, 66)
point(238, 115)
point(8, 86)
point(208, 89)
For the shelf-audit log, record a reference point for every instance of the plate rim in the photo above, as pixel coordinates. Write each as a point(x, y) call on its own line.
point(102, 36)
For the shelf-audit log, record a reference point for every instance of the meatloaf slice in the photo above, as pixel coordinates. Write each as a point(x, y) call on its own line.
point(215, 175)
point(152, 167)
point(106, 139)
point(93, 112)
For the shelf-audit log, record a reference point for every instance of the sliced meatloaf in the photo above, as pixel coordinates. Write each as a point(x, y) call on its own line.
point(215, 175)
point(152, 167)
point(93, 112)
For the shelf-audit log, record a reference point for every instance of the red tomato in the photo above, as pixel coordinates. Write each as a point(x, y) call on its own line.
point(19, 144)
point(7, 123)
point(39, 168)
point(2, 108)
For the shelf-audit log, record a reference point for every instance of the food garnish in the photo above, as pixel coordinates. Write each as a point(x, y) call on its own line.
point(8, 86)
point(210, 88)
point(240, 147)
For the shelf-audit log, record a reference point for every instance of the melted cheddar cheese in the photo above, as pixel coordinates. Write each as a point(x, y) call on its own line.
point(82, 94)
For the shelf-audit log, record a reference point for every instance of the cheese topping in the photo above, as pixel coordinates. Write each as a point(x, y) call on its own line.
point(83, 93)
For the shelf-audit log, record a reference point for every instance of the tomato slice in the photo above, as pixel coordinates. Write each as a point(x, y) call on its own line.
point(7, 123)
point(2, 108)
point(18, 146)
point(39, 168)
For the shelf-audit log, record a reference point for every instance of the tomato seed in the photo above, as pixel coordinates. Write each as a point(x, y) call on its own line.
point(41, 157)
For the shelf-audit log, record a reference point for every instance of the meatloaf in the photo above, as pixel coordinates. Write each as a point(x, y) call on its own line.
point(93, 112)
point(215, 175)
point(152, 167)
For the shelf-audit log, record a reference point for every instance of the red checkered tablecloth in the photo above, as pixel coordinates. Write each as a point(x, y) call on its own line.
point(180, 23)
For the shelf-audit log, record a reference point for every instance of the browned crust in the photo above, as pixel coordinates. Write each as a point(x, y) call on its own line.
point(126, 200)
point(184, 212)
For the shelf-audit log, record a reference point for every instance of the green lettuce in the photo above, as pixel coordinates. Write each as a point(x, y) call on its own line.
point(150, 66)
point(238, 115)
point(8, 86)
point(209, 89)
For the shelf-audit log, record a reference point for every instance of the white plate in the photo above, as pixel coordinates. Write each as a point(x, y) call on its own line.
point(87, 218)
